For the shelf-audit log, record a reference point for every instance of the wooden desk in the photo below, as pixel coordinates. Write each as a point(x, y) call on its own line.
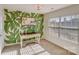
point(28, 36)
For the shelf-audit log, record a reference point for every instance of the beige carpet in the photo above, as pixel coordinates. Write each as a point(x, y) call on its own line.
point(31, 49)
point(54, 49)
point(44, 48)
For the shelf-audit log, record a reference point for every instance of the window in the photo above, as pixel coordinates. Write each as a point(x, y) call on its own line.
point(66, 27)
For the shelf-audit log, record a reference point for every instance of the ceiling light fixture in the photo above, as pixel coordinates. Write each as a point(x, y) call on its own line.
point(38, 6)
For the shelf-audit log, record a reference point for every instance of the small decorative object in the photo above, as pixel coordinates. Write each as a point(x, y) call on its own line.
point(28, 21)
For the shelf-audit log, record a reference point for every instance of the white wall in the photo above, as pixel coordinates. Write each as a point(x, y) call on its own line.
point(1, 29)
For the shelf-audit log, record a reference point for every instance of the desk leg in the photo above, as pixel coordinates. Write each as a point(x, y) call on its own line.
point(38, 39)
point(21, 43)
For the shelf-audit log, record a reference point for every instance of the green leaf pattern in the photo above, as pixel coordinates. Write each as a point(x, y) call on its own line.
point(13, 24)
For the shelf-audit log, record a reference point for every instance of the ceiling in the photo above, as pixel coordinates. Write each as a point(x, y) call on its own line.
point(44, 8)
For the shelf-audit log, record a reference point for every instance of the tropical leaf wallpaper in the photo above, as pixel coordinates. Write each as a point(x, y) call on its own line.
point(13, 25)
